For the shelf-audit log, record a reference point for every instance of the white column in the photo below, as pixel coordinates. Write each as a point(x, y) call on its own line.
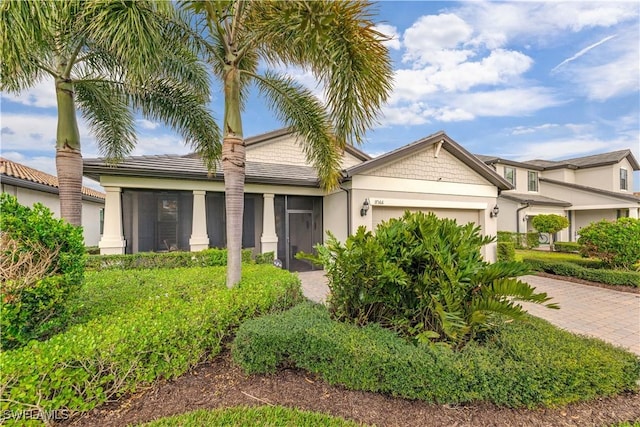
point(199, 239)
point(633, 213)
point(269, 237)
point(112, 241)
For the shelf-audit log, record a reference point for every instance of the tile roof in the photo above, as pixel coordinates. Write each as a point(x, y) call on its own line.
point(574, 163)
point(25, 173)
point(190, 167)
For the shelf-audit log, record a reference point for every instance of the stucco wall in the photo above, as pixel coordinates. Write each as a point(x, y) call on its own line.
point(334, 215)
point(580, 198)
point(90, 210)
point(601, 177)
point(564, 175)
point(584, 218)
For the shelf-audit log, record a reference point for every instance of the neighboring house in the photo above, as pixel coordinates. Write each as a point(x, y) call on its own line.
point(169, 202)
point(30, 185)
point(584, 189)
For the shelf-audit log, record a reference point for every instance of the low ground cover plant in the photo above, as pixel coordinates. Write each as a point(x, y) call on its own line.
point(134, 327)
point(425, 278)
point(41, 266)
point(252, 416)
point(520, 364)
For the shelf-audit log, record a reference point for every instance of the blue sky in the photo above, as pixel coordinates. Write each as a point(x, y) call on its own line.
point(520, 80)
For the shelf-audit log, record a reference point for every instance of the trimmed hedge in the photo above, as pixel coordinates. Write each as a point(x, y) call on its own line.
point(506, 251)
point(600, 275)
point(205, 258)
point(569, 247)
point(523, 364)
point(253, 416)
point(149, 325)
point(562, 257)
point(520, 240)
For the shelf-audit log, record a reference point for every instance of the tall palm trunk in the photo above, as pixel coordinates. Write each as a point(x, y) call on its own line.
point(68, 155)
point(233, 165)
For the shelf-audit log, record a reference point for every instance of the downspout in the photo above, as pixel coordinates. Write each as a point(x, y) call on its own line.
point(518, 216)
point(348, 209)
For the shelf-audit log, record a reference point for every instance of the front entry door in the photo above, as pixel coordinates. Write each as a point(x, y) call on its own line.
point(300, 228)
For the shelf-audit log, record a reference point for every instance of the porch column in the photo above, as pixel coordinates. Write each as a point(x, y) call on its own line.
point(112, 242)
point(199, 239)
point(633, 213)
point(269, 237)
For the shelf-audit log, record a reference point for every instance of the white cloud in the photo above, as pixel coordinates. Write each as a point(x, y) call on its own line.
point(551, 127)
point(392, 33)
point(42, 95)
point(582, 52)
point(506, 102)
point(147, 124)
point(565, 148)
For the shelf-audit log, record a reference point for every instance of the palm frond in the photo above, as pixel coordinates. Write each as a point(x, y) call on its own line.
point(172, 103)
point(300, 110)
point(104, 105)
point(338, 42)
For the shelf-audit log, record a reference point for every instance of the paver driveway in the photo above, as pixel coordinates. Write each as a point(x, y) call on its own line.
point(602, 313)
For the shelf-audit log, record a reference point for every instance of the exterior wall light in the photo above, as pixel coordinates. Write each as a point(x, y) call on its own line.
point(494, 212)
point(365, 208)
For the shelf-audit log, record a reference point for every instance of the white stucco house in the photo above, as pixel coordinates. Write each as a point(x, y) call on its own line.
point(584, 189)
point(167, 202)
point(31, 186)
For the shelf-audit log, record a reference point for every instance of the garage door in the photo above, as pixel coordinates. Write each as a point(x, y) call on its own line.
point(462, 216)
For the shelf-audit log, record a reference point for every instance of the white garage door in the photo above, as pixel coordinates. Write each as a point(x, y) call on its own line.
point(462, 216)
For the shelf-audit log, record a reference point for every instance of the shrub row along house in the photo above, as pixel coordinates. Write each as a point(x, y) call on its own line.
point(31, 186)
point(584, 189)
point(168, 202)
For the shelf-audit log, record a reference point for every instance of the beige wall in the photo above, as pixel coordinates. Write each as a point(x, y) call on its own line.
point(564, 175)
point(522, 178)
point(603, 177)
point(90, 210)
point(334, 215)
point(584, 218)
point(286, 150)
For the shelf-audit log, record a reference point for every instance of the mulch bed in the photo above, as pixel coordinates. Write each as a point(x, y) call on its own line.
point(220, 383)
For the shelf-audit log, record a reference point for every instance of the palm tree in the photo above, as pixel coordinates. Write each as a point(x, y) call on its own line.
point(108, 60)
point(335, 40)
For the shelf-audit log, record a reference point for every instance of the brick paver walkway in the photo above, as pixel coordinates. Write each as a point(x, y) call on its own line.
point(609, 315)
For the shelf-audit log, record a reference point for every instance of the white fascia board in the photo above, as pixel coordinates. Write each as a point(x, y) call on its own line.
point(364, 182)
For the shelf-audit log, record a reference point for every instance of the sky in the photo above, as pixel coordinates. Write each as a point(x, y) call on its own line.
point(518, 80)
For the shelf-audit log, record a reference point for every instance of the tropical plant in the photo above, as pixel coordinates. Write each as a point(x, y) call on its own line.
point(108, 60)
point(616, 243)
point(335, 40)
point(425, 278)
point(550, 224)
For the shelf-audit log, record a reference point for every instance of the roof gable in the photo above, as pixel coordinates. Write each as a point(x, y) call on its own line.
point(24, 173)
point(436, 157)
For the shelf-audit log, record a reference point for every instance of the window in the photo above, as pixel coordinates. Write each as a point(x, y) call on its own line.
point(533, 181)
point(623, 179)
point(510, 175)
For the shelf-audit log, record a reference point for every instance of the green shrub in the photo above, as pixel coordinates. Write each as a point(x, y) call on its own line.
point(42, 265)
point(506, 251)
point(153, 324)
point(206, 258)
point(549, 224)
point(562, 257)
point(600, 275)
point(520, 240)
point(568, 247)
point(614, 242)
point(92, 250)
point(424, 277)
point(522, 364)
point(266, 258)
point(249, 416)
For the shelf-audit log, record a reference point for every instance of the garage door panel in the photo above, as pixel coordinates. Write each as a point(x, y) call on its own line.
point(462, 216)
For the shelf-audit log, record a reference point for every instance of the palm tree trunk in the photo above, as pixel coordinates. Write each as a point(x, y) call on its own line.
point(68, 155)
point(233, 165)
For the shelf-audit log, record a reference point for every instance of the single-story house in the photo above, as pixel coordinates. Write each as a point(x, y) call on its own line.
point(31, 186)
point(169, 202)
point(584, 189)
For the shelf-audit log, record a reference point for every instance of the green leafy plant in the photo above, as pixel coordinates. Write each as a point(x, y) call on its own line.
point(527, 363)
point(42, 265)
point(266, 258)
point(569, 247)
point(520, 240)
point(550, 224)
point(600, 275)
point(153, 324)
point(423, 277)
point(506, 251)
point(616, 243)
